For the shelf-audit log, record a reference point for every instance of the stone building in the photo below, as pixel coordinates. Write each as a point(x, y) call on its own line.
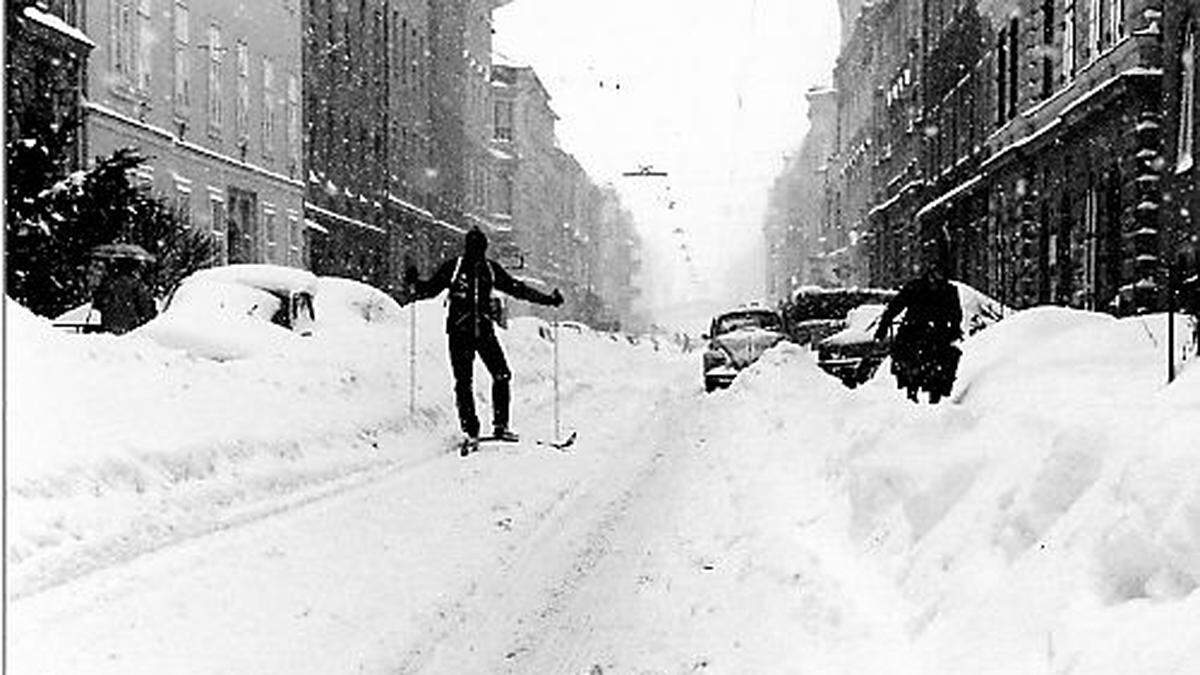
point(1019, 141)
point(370, 172)
point(614, 261)
point(905, 87)
point(872, 168)
point(1063, 206)
point(461, 53)
point(569, 233)
point(796, 204)
point(214, 100)
point(784, 251)
point(526, 151)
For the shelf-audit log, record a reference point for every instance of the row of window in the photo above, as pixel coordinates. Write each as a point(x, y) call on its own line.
point(1105, 27)
point(235, 223)
point(367, 48)
point(131, 54)
point(245, 229)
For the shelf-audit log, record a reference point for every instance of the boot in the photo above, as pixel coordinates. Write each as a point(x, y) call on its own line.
point(505, 434)
point(469, 444)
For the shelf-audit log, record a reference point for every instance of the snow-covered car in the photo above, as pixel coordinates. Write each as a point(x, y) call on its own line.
point(814, 313)
point(853, 354)
point(735, 340)
point(345, 303)
point(236, 310)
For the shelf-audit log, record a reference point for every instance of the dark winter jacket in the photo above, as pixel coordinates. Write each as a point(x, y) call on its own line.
point(932, 311)
point(471, 292)
point(124, 303)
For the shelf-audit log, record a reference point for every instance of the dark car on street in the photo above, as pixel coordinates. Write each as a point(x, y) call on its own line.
point(853, 354)
point(814, 313)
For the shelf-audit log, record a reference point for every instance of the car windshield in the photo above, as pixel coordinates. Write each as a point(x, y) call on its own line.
point(864, 317)
point(739, 320)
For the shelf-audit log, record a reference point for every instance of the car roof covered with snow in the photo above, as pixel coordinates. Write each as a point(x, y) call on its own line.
point(273, 278)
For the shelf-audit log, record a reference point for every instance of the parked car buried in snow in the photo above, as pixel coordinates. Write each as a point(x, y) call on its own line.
point(853, 354)
point(236, 310)
point(814, 313)
point(735, 340)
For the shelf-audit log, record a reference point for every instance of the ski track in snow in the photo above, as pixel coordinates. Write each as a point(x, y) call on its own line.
point(569, 537)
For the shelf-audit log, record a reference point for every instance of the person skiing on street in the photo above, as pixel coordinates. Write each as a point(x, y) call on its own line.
point(471, 279)
point(123, 299)
point(923, 352)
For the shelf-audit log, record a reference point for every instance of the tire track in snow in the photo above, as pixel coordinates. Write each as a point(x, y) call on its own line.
point(729, 560)
point(498, 622)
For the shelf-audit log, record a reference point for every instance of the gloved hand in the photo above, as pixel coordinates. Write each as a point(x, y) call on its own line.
point(411, 276)
point(556, 298)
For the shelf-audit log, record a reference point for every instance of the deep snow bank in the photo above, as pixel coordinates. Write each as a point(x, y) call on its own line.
point(1048, 522)
point(1058, 358)
point(117, 445)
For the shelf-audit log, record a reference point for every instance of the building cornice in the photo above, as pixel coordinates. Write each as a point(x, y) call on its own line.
point(101, 109)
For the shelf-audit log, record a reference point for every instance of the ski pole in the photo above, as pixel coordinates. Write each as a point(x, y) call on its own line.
point(412, 361)
point(557, 426)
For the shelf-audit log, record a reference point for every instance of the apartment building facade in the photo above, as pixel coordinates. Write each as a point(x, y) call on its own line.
point(1021, 142)
point(214, 101)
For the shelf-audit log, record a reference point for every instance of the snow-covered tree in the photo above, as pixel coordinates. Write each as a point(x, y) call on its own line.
point(53, 222)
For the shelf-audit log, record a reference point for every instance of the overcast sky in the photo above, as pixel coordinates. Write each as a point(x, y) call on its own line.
point(711, 91)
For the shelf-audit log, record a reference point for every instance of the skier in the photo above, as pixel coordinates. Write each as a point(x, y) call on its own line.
point(923, 352)
point(122, 298)
point(471, 279)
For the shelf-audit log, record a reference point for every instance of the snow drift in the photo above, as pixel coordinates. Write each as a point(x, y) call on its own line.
point(1049, 522)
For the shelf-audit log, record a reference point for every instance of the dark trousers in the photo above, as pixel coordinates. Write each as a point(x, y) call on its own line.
point(463, 347)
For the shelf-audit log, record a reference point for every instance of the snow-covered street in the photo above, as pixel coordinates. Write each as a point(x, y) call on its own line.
point(379, 576)
point(1048, 520)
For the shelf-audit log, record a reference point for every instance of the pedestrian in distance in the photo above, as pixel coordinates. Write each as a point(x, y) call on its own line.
point(473, 310)
point(923, 352)
point(123, 299)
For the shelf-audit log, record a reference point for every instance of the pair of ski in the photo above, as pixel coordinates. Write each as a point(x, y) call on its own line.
point(471, 445)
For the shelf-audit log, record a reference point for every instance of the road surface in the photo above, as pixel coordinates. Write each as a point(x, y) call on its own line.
point(672, 538)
